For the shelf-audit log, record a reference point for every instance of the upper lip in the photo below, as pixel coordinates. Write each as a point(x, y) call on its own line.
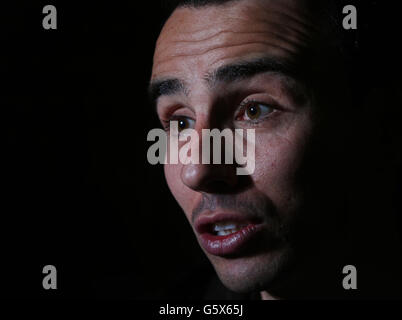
point(206, 221)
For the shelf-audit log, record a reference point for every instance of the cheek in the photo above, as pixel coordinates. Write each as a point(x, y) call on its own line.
point(279, 158)
point(181, 193)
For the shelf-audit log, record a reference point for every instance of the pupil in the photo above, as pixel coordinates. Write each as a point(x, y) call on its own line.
point(253, 110)
point(182, 124)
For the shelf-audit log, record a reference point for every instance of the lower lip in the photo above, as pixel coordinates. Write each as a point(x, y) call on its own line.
point(229, 244)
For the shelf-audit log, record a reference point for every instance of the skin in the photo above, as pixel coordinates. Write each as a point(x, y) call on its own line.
point(193, 43)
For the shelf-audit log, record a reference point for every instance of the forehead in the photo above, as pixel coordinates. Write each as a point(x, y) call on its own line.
point(195, 41)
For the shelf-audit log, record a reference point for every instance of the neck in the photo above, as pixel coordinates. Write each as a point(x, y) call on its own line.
point(265, 295)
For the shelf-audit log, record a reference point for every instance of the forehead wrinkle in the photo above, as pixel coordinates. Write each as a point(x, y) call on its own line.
point(297, 14)
point(301, 29)
point(263, 27)
point(274, 39)
point(222, 32)
point(209, 50)
point(303, 21)
point(290, 30)
point(218, 36)
point(284, 17)
point(298, 35)
point(271, 19)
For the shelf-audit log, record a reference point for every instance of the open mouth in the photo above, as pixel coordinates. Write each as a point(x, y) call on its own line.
point(226, 234)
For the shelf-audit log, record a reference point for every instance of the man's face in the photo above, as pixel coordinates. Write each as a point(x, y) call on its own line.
point(230, 66)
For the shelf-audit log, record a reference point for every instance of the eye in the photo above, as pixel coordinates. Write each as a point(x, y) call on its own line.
point(183, 123)
point(253, 110)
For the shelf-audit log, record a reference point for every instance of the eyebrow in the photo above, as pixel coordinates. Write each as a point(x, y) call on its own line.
point(227, 73)
point(165, 87)
point(247, 69)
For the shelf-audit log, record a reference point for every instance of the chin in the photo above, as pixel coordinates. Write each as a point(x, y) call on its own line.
point(252, 273)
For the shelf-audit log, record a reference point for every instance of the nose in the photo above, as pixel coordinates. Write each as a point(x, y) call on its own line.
point(211, 178)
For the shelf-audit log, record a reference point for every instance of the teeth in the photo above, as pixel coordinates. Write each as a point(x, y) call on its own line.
point(224, 229)
point(224, 226)
point(226, 232)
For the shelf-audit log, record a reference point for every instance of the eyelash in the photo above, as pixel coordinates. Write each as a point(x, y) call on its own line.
point(166, 123)
point(244, 104)
point(242, 108)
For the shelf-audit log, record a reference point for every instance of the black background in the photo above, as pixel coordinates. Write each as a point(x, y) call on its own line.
point(78, 192)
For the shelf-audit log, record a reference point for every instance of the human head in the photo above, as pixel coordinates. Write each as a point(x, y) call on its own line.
point(215, 64)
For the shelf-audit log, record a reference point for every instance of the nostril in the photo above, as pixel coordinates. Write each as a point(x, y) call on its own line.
point(209, 178)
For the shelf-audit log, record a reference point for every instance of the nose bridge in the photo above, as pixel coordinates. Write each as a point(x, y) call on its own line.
point(211, 130)
point(207, 176)
point(210, 115)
